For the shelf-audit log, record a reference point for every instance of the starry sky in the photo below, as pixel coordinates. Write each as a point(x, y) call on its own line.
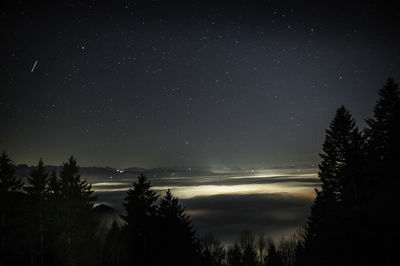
point(190, 83)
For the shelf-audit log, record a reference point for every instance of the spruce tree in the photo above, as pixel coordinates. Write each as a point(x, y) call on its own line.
point(37, 189)
point(324, 237)
point(8, 183)
point(140, 204)
point(177, 229)
point(382, 148)
point(383, 141)
point(37, 182)
point(383, 129)
point(336, 148)
point(273, 256)
point(78, 222)
point(54, 220)
point(140, 218)
point(8, 179)
point(54, 187)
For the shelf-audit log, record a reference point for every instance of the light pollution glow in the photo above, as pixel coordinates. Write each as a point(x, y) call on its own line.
point(246, 187)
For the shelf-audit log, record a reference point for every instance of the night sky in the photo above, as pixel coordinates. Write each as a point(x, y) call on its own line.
point(194, 83)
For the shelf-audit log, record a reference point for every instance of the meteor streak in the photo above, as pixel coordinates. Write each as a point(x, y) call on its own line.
point(34, 65)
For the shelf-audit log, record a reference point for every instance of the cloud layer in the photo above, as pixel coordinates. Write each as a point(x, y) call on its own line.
point(275, 203)
point(228, 215)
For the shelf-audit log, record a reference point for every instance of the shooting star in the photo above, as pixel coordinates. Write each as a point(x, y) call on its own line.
point(34, 65)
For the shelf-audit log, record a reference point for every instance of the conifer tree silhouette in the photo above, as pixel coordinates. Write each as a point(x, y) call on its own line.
point(359, 184)
point(336, 148)
point(8, 183)
point(54, 187)
point(55, 208)
point(273, 256)
point(243, 251)
point(140, 218)
point(383, 157)
point(78, 221)
point(383, 128)
point(177, 229)
point(8, 179)
point(37, 190)
point(324, 238)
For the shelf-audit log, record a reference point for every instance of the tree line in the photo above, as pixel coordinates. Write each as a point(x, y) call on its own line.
point(353, 218)
point(50, 220)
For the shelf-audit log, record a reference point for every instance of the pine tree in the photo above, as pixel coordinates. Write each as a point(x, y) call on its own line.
point(383, 131)
point(141, 211)
point(140, 204)
point(178, 231)
point(55, 244)
point(324, 237)
point(383, 141)
point(273, 256)
point(37, 182)
point(36, 189)
point(54, 187)
point(78, 221)
point(8, 183)
point(336, 148)
point(8, 179)
point(383, 146)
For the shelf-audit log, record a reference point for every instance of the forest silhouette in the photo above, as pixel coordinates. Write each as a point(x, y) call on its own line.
point(53, 220)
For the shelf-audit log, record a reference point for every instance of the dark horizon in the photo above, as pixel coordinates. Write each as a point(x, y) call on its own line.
point(231, 168)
